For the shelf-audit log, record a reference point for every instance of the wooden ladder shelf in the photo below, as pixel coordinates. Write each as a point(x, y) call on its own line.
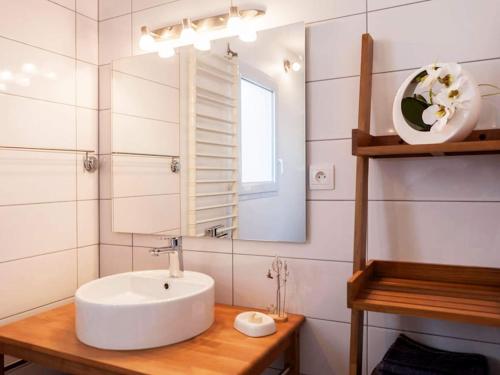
point(458, 293)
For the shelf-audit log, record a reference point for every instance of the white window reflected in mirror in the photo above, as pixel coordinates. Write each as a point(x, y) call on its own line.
point(258, 98)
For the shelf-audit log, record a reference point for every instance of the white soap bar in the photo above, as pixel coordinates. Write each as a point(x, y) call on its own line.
point(254, 324)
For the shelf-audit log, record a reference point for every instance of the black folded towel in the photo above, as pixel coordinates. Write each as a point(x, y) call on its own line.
point(408, 357)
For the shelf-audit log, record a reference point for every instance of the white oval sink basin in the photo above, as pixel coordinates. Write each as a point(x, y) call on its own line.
point(146, 309)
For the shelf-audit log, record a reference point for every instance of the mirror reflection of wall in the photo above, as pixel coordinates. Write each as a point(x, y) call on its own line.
point(237, 127)
point(145, 145)
point(246, 138)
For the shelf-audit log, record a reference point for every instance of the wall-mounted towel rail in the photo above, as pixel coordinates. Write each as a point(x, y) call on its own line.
point(209, 130)
point(143, 154)
point(216, 119)
point(89, 163)
point(214, 75)
point(215, 101)
point(215, 206)
point(199, 195)
point(216, 93)
point(212, 219)
point(215, 156)
point(213, 143)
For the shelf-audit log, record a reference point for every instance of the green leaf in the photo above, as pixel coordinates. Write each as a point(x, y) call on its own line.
point(412, 110)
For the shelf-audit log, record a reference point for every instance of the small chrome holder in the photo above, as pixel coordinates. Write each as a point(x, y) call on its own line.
point(90, 163)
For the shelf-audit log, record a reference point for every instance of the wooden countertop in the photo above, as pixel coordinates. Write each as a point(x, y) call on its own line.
point(49, 339)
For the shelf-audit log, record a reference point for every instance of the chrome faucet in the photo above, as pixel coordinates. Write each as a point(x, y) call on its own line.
point(176, 258)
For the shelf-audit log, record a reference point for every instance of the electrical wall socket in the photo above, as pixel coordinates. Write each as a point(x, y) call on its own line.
point(321, 177)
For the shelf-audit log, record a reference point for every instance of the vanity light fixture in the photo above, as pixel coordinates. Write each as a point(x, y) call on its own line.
point(201, 31)
point(291, 66)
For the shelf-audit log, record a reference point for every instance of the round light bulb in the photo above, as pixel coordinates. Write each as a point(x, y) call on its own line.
point(188, 34)
point(165, 51)
point(296, 66)
point(147, 43)
point(6, 75)
point(234, 22)
point(3, 87)
point(29, 68)
point(202, 43)
point(248, 34)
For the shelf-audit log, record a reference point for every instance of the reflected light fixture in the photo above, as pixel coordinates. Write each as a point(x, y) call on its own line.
point(147, 42)
point(165, 50)
point(188, 34)
point(200, 32)
point(294, 66)
point(234, 23)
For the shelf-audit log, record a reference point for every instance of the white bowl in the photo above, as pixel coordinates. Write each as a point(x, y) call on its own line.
point(458, 128)
point(147, 309)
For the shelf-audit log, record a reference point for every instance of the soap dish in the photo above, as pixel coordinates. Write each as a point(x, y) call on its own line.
point(254, 324)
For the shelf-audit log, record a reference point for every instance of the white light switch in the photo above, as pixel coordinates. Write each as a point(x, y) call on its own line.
point(321, 177)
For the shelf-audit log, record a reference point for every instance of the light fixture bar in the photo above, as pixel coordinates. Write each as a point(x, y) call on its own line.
point(219, 22)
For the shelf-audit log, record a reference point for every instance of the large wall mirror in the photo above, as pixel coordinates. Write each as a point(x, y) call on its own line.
point(212, 143)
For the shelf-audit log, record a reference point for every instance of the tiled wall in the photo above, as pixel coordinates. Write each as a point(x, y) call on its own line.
point(48, 202)
point(445, 210)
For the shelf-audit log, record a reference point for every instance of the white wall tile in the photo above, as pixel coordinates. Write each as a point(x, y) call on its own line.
point(107, 236)
point(133, 134)
point(35, 311)
point(332, 108)
point(379, 341)
point(144, 98)
point(312, 288)
point(54, 274)
point(87, 85)
point(143, 4)
point(86, 39)
point(88, 8)
point(55, 78)
point(45, 25)
point(87, 129)
point(339, 154)
point(207, 244)
point(35, 177)
point(114, 259)
point(435, 232)
point(381, 4)
point(436, 327)
point(456, 178)
point(88, 223)
point(35, 123)
point(88, 264)
point(143, 260)
point(324, 347)
point(105, 86)
point(329, 235)
point(216, 265)
point(413, 45)
point(30, 230)
point(113, 8)
point(334, 48)
point(114, 39)
point(153, 214)
point(151, 66)
point(140, 176)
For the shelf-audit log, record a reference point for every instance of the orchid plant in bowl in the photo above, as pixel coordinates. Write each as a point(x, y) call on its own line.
point(437, 103)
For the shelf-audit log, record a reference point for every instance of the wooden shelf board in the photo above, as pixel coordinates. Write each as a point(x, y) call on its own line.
point(458, 293)
point(390, 146)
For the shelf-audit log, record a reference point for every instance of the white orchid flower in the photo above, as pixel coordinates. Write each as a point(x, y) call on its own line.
point(437, 116)
point(426, 83)
point(455, 95)
point(449, 74)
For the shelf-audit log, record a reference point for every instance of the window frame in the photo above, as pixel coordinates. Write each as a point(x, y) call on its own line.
point(249, 190)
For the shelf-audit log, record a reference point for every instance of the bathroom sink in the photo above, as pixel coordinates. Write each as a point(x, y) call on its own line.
point(146, 309)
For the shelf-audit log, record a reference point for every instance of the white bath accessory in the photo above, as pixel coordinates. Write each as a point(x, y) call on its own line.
point(254, 324)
